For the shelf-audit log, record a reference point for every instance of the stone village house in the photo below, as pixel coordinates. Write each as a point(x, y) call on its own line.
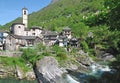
point(21, 36)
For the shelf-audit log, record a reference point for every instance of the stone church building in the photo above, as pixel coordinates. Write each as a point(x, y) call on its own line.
point(21, 36)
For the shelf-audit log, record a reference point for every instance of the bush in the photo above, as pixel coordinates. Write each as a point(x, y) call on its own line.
point(40, 47)
point(58, 49)
point(85, 46)
point(30, 55)
point(62, 55)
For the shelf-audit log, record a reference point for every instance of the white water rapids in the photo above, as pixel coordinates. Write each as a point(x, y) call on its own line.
point(70, 79)
point(97, 71)
point(96, 67)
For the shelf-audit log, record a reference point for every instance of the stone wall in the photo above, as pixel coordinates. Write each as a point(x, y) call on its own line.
point(10, 54)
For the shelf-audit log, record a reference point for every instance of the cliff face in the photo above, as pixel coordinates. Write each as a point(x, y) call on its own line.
point(15, 72)
point(47, 70)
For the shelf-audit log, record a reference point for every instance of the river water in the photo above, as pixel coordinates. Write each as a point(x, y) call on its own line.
point(97, 75)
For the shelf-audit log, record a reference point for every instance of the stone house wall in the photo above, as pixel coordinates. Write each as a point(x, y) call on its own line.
point(10, 43)
point(18, 29)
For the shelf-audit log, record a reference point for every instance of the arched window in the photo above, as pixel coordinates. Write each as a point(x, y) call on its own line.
point(24, 12)
point(19, 26)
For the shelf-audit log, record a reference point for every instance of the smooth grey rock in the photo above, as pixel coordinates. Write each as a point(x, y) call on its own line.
point(20, 73)
point(107, 56)
point(47, 70)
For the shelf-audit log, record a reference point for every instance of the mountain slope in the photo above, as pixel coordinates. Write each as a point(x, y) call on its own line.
point(62, 13)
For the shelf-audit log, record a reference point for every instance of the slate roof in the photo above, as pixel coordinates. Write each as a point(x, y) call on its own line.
point(24, 8)
point(35, 27)
point(17, 24)
point(50, 33)
point(62, 37)
point(67, 29)
point(74, 40)
point(3, 31)
point(24, 37)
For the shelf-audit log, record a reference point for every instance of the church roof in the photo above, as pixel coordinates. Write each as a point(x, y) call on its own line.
point(24, 8)
point(17, 24)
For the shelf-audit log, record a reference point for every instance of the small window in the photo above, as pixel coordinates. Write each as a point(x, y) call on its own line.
point(24, 12)
point(26, 33)
point(33, 33)
point(33, 29)
point(19, 26)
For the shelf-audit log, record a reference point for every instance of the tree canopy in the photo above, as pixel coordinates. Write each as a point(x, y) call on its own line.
point(113, 7)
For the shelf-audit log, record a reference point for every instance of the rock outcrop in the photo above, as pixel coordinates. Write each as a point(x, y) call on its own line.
point(107, 57)
point(47, 70)
point(6, 71)
point(16, 72)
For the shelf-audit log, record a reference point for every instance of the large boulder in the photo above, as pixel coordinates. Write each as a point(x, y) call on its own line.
point(107, 57)
point(30, 75)
point(47, 70)
point(84, 60)
point(20, 73)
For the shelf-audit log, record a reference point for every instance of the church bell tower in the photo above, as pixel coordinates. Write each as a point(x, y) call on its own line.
point(25, 16)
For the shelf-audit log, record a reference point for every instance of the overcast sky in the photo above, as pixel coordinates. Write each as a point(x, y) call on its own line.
point(11, 9)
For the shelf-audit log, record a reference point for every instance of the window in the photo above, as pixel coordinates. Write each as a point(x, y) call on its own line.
point(24, 12)
point(33, 33)
point(33, 29)
point(19, 27)
point(26, 33)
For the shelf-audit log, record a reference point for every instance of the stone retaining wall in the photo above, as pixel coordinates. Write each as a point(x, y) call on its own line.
point(10, 54)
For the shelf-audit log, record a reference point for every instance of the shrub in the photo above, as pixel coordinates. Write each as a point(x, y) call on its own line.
point(62, 55)
point(85, 46)
point(29, 55)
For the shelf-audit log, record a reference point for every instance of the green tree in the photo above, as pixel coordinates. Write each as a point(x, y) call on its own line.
point(30, 55)
point(113, 6)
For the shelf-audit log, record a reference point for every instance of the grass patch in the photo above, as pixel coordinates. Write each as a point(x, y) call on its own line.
point(14, 61)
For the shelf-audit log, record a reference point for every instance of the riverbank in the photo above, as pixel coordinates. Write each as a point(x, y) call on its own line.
point(48, 63)
point(15, 67)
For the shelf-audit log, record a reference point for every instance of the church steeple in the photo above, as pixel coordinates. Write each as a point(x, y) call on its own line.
point(25, 16)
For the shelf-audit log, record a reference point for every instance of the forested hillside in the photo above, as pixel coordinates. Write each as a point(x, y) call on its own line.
point(62, 13)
